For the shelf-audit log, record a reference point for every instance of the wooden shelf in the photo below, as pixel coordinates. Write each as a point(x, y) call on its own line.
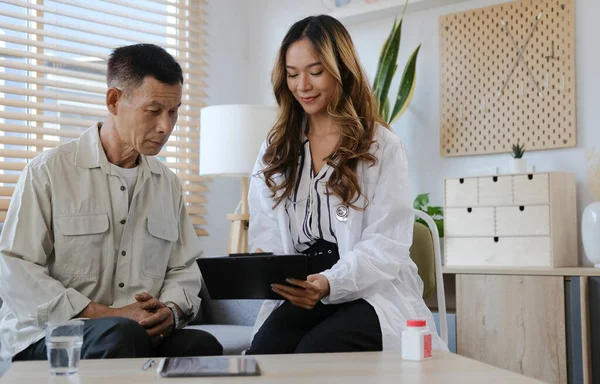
point(532, 271)
point(362, 12)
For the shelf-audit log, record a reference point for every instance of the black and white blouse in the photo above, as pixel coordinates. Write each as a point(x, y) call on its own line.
point(310, 211)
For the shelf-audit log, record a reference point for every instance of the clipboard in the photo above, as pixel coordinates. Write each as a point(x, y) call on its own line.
point(250, 275)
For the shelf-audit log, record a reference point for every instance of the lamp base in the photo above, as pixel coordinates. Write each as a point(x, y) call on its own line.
point(238, 235)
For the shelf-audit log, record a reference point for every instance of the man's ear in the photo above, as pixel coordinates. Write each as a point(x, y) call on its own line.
point(113, 96)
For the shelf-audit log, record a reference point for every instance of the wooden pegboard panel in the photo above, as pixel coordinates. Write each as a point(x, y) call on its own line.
point(476, 58)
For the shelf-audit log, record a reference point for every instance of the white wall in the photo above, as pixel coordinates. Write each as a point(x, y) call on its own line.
point(419, 127)
point(227, 59)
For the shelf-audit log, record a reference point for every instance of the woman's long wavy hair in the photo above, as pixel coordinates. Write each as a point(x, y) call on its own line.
point(353, 109)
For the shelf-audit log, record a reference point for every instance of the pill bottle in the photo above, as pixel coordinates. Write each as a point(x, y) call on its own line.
point(416, 341)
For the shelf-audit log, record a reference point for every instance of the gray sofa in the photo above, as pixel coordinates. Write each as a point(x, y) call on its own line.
point(230, 321)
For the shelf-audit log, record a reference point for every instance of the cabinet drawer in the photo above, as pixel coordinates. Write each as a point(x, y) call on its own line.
point(506, 251)
point(469, 221)
point(531, 189)
point(495, 190)
point(523, 220)
point(461, 192)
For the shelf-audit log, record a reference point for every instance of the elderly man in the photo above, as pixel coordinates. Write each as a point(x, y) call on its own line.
point(98, 229)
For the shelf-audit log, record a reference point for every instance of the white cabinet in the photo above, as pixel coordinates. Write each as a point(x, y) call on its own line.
point(511, 220)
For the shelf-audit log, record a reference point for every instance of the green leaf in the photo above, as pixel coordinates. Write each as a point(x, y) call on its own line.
point(407, 86)
point(389, 66)
point(435, 211)
point(421, 201)
point(440, 226)
point(385, 111)
point(384, 49)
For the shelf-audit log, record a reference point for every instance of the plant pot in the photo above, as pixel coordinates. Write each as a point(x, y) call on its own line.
point(590, 233)
point(518, 165)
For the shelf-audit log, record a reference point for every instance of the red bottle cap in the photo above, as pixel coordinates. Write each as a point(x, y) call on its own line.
point(416, 323)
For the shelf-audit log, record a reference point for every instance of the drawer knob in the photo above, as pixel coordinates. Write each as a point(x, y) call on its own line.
point(495, 178)
point(462, 181)
point(469, 209)
point(521, 208)
point(530, 177)
point(496, 239)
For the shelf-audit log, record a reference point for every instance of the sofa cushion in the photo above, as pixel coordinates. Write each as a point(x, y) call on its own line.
point(230, 312)
point(234, 338)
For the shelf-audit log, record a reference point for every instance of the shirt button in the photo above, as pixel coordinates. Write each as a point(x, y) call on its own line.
point(121, 285)
point(123, 253)
point(123, 221)
point(122, 188)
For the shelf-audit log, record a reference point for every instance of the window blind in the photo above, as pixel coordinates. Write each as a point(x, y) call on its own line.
point(53, 57)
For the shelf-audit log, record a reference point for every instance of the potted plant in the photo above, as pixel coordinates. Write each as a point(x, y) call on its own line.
point(518, 164)
point(386, 69)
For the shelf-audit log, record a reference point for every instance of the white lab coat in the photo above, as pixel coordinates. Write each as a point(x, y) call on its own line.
point(373, 244)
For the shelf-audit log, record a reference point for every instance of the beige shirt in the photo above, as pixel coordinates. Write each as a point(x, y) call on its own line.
point(69, 238)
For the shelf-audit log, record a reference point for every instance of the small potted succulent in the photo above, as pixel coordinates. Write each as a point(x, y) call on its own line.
point(518, 164)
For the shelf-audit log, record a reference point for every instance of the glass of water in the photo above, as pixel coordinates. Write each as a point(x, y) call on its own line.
point(63, 346)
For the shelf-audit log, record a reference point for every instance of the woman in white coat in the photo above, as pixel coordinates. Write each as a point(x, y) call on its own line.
point(331, 181)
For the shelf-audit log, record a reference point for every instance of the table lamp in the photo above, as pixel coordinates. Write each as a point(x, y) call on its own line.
point(230, 139)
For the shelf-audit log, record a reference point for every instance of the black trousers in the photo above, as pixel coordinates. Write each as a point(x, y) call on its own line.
point(119, 337)
point(347, 327)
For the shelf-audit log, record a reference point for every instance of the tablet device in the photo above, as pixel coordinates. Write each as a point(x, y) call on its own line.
point(207, 366)
point(249, 276)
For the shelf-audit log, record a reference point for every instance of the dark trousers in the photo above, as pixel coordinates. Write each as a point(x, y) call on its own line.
point(119, 337)
point(348, 327)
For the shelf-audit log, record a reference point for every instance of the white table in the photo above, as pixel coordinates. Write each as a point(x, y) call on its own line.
point(346, 368)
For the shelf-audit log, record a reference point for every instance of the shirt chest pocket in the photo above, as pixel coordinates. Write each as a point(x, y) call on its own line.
point(81, 244)
point(162, 234)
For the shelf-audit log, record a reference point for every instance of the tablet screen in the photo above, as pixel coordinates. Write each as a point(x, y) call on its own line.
point(208, 366)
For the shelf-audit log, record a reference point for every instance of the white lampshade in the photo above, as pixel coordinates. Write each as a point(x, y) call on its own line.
point(231, 136)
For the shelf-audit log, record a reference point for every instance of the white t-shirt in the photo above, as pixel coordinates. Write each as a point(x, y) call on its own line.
point(130, 176)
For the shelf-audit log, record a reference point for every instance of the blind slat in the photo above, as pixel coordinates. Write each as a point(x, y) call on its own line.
point(7, 191)
point(62, 132)
point(10, 179)
point(196, 199)
point(201, 232)
point(195, 188)
point(140, 7)
point(12, 140)
point(106, 21)
point(183, 112)
point(97, 112)
point(18, 154)
point(53, 95)
point(82, 52)
point(89, 6)
point(67, 121)
point(96, 31)
point(100, 90)
point(198, 220)
point(53, 71)
point(192, 177)
point(75, 38)
point(187, 166)
point(196, 209)
point(12, 166)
